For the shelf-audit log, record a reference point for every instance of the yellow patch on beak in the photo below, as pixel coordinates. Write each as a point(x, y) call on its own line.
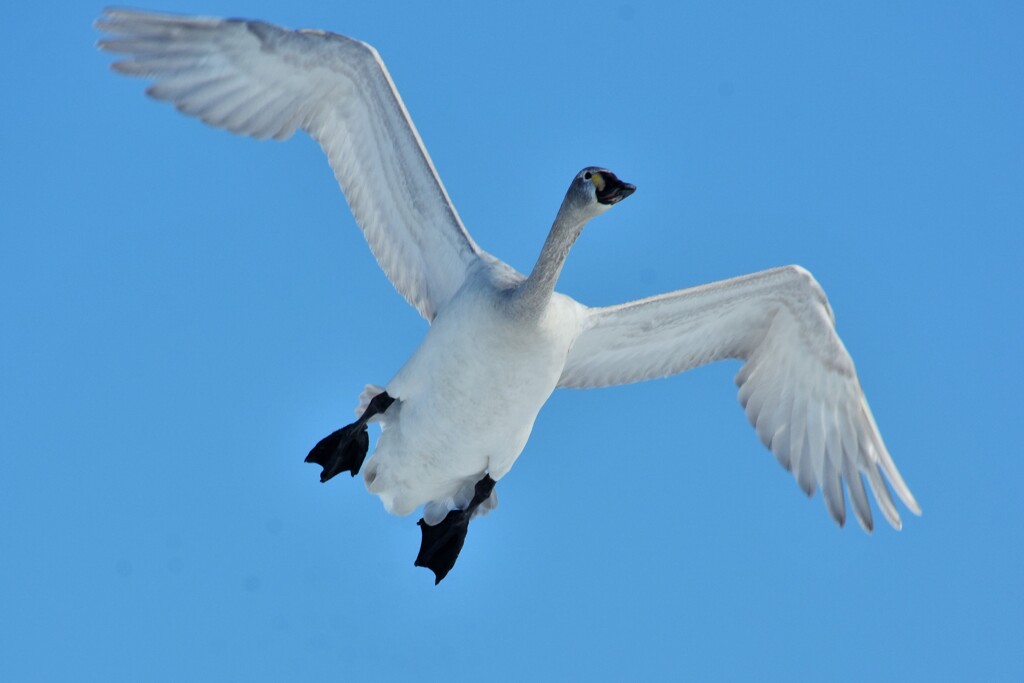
point(598, 181)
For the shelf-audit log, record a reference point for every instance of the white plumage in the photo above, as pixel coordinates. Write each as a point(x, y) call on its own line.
point(501, 342)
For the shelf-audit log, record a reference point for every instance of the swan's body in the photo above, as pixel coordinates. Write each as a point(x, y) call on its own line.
point(468, 397)
point(459, 412)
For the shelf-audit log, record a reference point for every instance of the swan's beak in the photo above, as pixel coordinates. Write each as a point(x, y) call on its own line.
point(613, 190)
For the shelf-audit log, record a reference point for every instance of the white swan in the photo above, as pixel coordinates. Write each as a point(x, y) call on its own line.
point(459, 412)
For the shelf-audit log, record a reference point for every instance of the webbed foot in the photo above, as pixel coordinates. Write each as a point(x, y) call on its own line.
point(442, 543)
point(341, 451)
point(345, 450)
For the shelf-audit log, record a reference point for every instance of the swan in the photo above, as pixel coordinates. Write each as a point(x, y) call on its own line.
point(458, 413)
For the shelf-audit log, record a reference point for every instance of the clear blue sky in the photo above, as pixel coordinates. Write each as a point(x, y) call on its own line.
point(184, 313)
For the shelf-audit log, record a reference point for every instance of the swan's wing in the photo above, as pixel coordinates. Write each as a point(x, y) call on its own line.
point(257, 79)
point(798, 385)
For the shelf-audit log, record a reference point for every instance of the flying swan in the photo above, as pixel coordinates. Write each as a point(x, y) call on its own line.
point(459, 412)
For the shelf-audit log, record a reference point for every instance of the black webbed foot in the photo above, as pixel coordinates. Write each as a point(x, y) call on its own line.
point(341, 451)
point(442, 543)
point(345, 450)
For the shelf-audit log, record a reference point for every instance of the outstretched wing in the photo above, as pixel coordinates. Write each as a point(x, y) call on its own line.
point(798, 385)
point(257, 79)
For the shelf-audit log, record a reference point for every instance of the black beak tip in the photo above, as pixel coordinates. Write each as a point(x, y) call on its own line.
point(616, 193)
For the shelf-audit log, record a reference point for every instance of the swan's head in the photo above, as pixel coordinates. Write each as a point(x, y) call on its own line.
point(605, 186)
point(595, 190)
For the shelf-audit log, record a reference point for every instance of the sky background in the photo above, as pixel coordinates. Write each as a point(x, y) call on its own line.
point(184, 313)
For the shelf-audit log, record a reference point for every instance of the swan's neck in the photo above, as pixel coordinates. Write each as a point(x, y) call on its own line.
point(532, 296)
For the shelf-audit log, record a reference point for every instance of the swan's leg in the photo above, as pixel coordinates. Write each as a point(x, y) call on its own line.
point(443, 542)
point(345, 449)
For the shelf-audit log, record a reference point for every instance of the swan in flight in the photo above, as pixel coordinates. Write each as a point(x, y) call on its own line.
point(457, 415)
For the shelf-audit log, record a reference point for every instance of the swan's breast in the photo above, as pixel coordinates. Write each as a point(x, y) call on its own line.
point(480, 377)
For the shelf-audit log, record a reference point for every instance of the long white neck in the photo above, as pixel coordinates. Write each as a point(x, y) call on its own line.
point(533, 295)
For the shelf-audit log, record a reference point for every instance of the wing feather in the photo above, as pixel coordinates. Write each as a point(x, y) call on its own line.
point(256, 79)
point(798, 385)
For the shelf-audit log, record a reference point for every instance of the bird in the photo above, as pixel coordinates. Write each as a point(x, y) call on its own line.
point(456, 416)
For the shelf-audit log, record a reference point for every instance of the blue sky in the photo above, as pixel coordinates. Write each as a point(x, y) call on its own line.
point(185, 313)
